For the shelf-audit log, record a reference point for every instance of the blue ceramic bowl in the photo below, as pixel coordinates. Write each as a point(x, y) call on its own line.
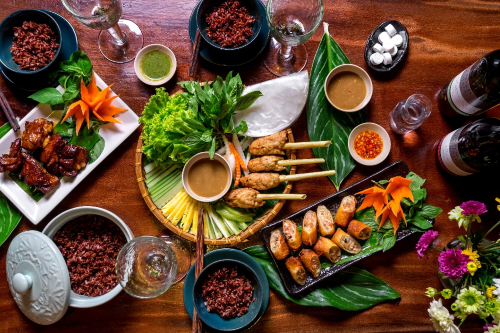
point(16, 19)
point(215, 321)
point(207, 7)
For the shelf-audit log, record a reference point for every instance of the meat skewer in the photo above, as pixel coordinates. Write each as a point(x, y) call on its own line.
point(250, 198)
point(265, 181)
point(274, 144)
point(277, 163)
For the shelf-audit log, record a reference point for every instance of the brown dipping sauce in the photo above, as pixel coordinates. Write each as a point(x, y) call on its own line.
point(207, 178)
point(346, 90)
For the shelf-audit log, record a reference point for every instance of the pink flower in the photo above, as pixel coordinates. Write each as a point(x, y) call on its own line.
point(424, 242)
point(453, 264)
point(473, 208)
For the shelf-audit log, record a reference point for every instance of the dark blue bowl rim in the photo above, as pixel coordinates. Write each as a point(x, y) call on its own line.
point(50, 18)
point(217, 46)
point(253, 278)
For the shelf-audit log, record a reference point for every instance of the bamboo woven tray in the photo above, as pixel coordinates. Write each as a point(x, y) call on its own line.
point(233, 240)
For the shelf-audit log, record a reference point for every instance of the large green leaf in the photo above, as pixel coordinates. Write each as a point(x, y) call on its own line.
point(9, 215)
point(353, 289)
point(324, 122)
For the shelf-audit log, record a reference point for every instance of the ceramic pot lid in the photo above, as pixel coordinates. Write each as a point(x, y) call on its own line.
point(38, 277)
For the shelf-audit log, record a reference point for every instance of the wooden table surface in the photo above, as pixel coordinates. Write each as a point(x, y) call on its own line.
point(446, 37)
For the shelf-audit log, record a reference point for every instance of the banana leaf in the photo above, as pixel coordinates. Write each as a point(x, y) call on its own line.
point(9, 215)
point(324, 122)
point(353, 289)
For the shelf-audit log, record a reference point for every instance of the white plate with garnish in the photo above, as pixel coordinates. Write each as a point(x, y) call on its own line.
point(113, 135)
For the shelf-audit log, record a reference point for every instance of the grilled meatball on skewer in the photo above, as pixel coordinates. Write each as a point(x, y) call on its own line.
point(277, 163)
point(265, 181)
point(274, 144)
point(250, 198)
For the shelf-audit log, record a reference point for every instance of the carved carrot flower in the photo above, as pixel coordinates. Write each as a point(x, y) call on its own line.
point(398, 188)
point(374, 197)
point(97, 101)
point(394, 212)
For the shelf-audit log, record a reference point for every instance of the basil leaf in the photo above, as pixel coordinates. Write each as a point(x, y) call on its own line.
point(419, 194)
point(389, 241)
point(245, 101)
point(48, 95)
point(417, 181)
point(242, 127)
point(430, 212)
point(97, 149)
point(324, 122)
point(420, 221)
point(211, 151)
point(353, 289)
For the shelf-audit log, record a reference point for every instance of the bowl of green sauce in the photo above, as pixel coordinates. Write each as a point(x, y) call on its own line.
point(155, 64)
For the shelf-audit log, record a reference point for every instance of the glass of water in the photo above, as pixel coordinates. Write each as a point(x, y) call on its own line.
point(291, 23)
point(123, 38)
point(146, 267)
point(409, 114)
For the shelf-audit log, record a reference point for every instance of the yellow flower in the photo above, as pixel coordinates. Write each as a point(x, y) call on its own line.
point(472, 256)
point(498, 200)
point(472, 268)
point(489, 292)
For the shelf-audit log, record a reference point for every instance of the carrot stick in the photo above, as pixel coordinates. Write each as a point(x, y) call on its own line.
point(237, 156)
point(238, 174)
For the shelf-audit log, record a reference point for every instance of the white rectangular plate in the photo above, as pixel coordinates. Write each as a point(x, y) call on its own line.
point(113, 135)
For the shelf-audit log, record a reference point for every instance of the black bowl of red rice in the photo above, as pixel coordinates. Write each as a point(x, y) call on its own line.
point(227, 295)
point(229, 24)
point(30, 42)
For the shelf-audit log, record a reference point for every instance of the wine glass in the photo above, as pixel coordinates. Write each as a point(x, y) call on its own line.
point(146, 267)
point(124, 38)
point(291, 23)
point(182, 252)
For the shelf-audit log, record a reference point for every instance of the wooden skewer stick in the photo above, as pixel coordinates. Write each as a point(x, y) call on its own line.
point(300, 176)
point(200, 252)
point(277, 196)
point(304, 145)
point(300, 162)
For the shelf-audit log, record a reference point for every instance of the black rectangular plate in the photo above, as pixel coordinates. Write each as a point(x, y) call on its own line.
point(332, 202)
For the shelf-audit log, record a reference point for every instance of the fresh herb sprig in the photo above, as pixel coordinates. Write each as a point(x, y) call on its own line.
point(72, 71)
point(217, 103)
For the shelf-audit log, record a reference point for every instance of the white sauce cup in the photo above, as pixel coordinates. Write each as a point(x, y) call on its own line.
point(190, 163)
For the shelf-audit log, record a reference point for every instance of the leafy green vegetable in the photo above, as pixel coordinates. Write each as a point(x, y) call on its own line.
point(180, 126)
point(72, 71)
point(353, 289)
point(9, 215)
point(324, 122)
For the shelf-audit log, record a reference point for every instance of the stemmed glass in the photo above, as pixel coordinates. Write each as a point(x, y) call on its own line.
point(146, 267)
point(124, 38)
point(291, 23)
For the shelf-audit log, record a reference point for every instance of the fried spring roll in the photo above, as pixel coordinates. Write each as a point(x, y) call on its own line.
point(310, 260)
point(346, 242)
point(325, 221)
point(359, 230)
point(310, 228)
point(296, 269)
point(292, 234)
point(346, 211)
point(278, 245)
point(325, 247)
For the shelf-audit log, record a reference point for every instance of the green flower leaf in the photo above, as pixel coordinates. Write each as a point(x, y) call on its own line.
point(324, 122)
point(353, 289)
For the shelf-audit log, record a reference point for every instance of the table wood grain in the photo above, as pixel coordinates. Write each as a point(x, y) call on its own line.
point(446, 37)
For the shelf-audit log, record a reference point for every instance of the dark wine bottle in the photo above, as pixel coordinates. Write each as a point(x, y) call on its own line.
point(473, 91)
point(472, 148)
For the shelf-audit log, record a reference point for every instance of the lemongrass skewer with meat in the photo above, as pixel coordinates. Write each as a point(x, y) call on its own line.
point(265, 181)
point(250, 198)
point(275, 144)
point(277, 163)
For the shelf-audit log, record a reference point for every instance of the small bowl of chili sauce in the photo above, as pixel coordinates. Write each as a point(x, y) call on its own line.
point(369, 144)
